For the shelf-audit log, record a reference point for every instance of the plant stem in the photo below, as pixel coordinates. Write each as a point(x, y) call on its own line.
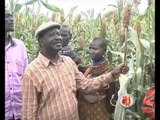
point(125, 46)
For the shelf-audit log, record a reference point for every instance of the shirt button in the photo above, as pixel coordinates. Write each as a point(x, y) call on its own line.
point(9, 75)
point(7, 62)
point(10, 88)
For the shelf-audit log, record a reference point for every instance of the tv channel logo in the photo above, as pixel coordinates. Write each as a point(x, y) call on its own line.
point(126, 100)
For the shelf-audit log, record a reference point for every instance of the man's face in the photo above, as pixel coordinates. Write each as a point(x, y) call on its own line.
point(66, 36)
point(51, 40)
point(9, 21)
point(96, 52)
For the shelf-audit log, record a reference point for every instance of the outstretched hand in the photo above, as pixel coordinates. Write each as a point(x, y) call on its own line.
point(120, 69)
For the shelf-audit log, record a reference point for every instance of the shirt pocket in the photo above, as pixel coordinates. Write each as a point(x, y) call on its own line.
point(19, 67)
point(70, 81)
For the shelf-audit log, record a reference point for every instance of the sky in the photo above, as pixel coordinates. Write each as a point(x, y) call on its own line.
point(100, 6)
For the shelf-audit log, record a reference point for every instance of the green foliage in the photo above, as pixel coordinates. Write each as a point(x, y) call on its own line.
point(50, 6)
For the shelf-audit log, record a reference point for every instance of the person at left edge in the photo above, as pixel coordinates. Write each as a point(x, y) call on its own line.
point(15, 63)
point(50, 81)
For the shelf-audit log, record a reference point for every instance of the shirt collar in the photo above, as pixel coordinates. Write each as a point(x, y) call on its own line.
point(46, 61)
point(13, 43)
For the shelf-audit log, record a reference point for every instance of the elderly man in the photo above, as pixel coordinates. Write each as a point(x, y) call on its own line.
point(50, 82)
point(15, 63)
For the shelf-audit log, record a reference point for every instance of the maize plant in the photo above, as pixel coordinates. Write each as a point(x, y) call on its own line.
point(130, 35)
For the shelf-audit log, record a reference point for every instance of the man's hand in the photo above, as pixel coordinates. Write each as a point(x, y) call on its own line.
point(82, 67)
point(120, 69)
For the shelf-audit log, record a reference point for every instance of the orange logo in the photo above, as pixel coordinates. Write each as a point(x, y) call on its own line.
point(126, 100)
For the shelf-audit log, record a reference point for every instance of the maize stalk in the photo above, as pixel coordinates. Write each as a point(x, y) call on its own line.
point(124, 81)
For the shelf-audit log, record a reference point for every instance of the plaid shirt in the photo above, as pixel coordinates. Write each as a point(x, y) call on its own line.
point(49, 89)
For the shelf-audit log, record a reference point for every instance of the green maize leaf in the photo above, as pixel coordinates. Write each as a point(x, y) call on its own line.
point(134, 38)
point(124, 81)
point(139, 75)
point(141, 17)
point(109, 56)
point(153, 18)
point(138, 57)
point(134, 114)
point(149, 47)
point(131, 65)
point(17, 7)
point(153, 48)
point(50, 6)
point(136, 42)
point(39, 8)
point(30, 2)
point(135, 10)
point(146, 44)
point(119, 110)
point(29, 19)
point(141, 89)
point(112, 5)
